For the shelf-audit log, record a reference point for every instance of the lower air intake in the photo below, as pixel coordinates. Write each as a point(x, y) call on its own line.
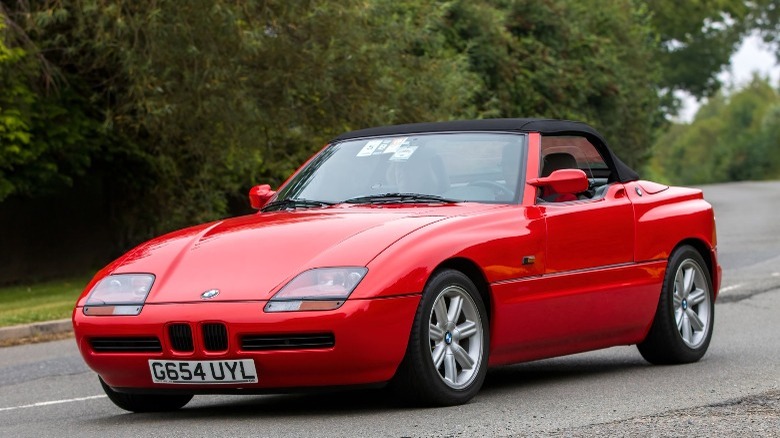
point(288, 342)
point(126, 345)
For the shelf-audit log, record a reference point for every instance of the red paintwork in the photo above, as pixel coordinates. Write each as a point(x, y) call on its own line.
point(595, 282)
point(579, 311)
point(598, 233)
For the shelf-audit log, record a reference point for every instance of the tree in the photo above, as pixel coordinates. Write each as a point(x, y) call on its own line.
point(733, 137)
point(196, 100)
point(46, 138)
point(698, 37)
point(14, 122)
point(590, 61)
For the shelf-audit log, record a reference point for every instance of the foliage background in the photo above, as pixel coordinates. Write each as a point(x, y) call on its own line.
point(735, 136)
point(160, 114)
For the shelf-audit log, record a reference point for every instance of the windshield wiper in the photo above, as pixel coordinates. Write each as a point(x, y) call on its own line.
point(289, 203)
point(398, 198)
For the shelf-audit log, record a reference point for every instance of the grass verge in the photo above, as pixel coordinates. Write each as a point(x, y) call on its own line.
point(38, 302)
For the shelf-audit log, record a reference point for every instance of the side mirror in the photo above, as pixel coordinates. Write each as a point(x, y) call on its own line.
point(563, 181)
point(259, 196)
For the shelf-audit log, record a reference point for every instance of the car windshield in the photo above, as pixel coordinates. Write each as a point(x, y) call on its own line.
point(442, 167)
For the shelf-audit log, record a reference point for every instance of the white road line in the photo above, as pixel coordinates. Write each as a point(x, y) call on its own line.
point(776, 274)
point(728, 288)
point(53, 402)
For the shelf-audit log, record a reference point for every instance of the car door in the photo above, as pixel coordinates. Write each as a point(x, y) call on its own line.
point(583, 299)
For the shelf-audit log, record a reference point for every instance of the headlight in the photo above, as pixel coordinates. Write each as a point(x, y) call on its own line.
point(120, 294)
point(317, 289)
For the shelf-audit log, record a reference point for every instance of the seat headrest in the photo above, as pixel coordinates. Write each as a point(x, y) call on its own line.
point(558, 161)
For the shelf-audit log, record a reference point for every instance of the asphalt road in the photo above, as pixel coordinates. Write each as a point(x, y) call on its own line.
point(45, 389)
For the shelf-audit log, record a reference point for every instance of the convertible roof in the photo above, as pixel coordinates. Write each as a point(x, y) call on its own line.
point(623, 173)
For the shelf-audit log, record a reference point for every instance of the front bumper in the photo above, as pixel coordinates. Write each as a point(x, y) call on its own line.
point(370, 341)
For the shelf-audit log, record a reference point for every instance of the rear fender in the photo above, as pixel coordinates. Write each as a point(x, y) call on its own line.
point(670, 218)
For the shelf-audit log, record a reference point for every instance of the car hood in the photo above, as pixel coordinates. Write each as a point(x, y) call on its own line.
point(251, 257)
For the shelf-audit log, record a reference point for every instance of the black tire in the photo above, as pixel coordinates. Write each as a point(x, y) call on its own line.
point(418, 380)
point(666, 342)
point(145, 402)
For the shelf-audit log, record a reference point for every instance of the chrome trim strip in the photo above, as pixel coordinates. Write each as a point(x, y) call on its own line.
point(579, 271)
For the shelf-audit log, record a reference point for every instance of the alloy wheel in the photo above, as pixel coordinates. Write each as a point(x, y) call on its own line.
point(455, 333)
point(691, 301)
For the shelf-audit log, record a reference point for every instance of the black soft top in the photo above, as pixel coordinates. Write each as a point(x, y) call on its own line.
point(623, 173)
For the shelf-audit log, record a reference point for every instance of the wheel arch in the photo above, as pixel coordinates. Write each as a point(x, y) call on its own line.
point(664, 344)
point(469, 268)
point(706, 253)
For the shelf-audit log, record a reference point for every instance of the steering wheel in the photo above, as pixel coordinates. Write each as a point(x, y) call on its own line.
point(499, 188)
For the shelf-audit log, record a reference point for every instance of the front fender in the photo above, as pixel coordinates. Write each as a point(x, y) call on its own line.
point(496, 241)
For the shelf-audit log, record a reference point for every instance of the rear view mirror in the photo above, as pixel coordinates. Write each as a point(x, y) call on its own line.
point(563, 181)
point(259, 196)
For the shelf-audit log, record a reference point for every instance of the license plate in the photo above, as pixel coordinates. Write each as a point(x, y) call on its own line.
point(203, 371)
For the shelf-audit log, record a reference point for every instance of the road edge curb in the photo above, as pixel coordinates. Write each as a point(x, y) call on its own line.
point(36, 329)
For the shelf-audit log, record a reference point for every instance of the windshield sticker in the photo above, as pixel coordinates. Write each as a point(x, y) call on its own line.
point(383, 146)
point(369, 148)
point(393, 145)
point(403, 153)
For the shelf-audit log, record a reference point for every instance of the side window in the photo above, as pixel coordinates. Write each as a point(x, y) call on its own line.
point(572, 152)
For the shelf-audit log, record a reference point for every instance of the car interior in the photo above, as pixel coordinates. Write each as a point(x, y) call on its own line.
point(567, 152)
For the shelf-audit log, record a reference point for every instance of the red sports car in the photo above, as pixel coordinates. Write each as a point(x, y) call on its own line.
point(415, 255)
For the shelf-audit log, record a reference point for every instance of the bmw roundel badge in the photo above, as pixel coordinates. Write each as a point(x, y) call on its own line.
point(209, 294)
